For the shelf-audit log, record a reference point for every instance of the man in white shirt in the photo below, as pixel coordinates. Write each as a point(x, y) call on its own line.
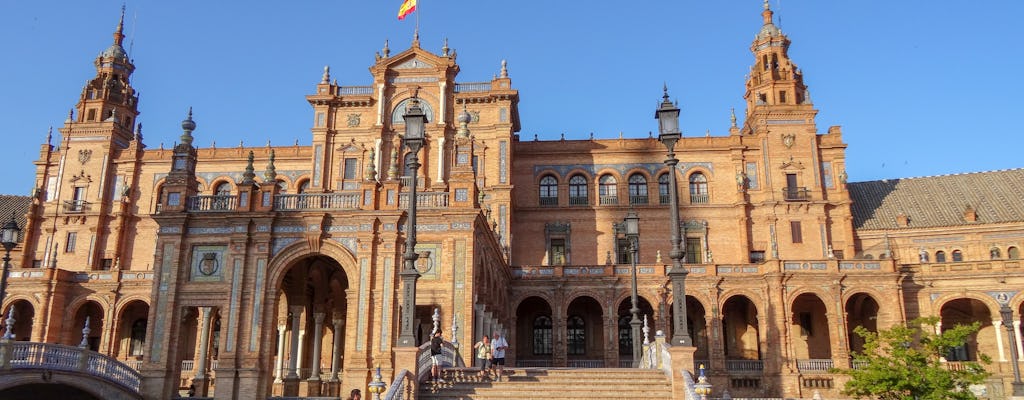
point(499, 345)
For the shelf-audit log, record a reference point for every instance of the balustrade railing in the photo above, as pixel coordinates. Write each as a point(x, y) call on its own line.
point(796, 194)
point(585, 364)
point(76, 206)
point(548, 201)
point(211, 203)
point(814, 365)
point(472, 87)
point(350, 90)
point(534, 363)
point(579, 201)
point(402, 387)
point(425, 200)
point(188, 365)
point(449, 358)
point(744, 365)
point(317, 201)
point(609, 200)
point(699, 198)
point(56, 357)
point(638, 199)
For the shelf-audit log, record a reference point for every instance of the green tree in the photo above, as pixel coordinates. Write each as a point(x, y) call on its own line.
point(903, 363)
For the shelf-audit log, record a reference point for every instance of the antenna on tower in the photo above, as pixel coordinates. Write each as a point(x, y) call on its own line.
point(131, 37)
point(778, 10)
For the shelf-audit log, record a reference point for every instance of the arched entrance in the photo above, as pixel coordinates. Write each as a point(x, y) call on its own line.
point(35, 391)
point(584, 333)
point(739, 326)
point(24, 315)
point(311, 310)
point(533, 333)
point(809, 327)
point(698, 329)
point(131, 331)
point(625, 329)
point(965, 312)
point(861, 310)
point(74, 335)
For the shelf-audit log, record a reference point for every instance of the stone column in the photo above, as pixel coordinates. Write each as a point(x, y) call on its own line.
point(1016, 336)
point(314, 374)
point(997, 324)
point(298, 355)
point(279, 365)
point(336, 353)
point(200, 380)
point(296, 312)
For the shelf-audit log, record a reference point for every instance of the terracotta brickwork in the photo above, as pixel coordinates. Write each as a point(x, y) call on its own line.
point(253, 271)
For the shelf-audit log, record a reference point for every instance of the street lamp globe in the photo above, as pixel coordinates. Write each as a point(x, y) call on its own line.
point(9, 234)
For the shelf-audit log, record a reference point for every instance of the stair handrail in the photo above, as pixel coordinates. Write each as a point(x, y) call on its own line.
point(450, 357)
point(689, 385)
point(656, 355)
point(402, 387)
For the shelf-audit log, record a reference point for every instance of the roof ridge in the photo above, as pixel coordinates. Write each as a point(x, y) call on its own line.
point(945, 175)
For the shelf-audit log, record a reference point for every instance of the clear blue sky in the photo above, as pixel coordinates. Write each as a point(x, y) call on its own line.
point(920, 87)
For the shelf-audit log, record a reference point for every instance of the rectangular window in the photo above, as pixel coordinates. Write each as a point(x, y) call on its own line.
point(174, 199)
point(794, 228)
point(92, 115)
point(782, 97)
point(319, 120)
point(557, 254)
point(757, 256)
point(37, 263)
point(694, 251)
point(826, 174)
point(752, 176)
point(622, 250)
point(107, 264)
point(51, 188)
point(69, 244)
point(350, 168)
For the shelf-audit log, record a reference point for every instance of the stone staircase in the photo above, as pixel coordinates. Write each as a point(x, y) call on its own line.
point(552, 383)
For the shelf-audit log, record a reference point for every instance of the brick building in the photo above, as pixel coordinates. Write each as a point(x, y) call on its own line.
point(254, 271)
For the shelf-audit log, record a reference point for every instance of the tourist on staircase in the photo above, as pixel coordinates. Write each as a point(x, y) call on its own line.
point(483, 356)
point(499, 345)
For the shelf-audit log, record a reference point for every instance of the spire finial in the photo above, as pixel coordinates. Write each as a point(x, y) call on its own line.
point(49, 135)
point(119, 32)
point(416, 37)
point(464, 119)
point(504, 69)
point(71, 116)
point(386, 51)
point(187, 126)
point(327, 75)
point(444, 50)
point(766, 5)
point(767, 13)
point(271, 173)
point(664, 90)
point(732, 116)
point(138, 132)
point(248, 178)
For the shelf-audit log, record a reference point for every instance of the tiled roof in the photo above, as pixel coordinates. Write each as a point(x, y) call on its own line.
point(934, 201)
point(17, 204)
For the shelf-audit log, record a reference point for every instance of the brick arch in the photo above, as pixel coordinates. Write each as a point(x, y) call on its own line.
point(823, 297)
point(642, 171)
point(121, 305)
point(608, 171)
point(279, 264)
point(549, 172)
point(754, 298)
point(576, 294)
point(223, 179)
point(518, 300)
point(14, 298)
point(941, 301)
point(95, 386)
point(693, 169)
point(78, 302)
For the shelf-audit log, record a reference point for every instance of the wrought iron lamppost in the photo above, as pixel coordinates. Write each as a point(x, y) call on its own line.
point(415, 128)
point(1007, 314)
point(668, 134)
point(9, 239)
point(632, 224)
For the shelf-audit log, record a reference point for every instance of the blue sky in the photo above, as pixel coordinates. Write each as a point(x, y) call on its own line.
point(920, 87)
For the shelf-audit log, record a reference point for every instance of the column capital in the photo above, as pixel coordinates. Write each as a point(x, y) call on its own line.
point(318, 317)
point(296, 309)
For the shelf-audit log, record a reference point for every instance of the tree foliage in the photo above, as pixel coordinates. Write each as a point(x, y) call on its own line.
point(903, 363)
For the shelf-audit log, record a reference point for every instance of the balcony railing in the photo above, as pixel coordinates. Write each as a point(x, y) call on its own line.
point(663, 199)
point(698, 198)
point(744, 365)
point(425, 200)
point(55, 357)
point(796, 194)
point(548, 201)
point(814, 365)
point(638, 199)
point(317, 201)
point(211, 203)
point(579, 201)
point(609, 200)
point(353, 90)
point(76, 206)
point(472, 87)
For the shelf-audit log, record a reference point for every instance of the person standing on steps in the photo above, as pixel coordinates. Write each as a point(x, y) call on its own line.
point(435, 356)
point(483, 354)
point(499, 345)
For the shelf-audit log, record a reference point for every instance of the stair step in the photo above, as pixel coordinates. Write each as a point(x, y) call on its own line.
point(551, 383)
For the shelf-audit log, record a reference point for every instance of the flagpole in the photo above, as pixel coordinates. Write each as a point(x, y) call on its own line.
point(417, 18)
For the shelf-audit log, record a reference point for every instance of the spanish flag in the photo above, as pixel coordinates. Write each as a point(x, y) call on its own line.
point(408, 6)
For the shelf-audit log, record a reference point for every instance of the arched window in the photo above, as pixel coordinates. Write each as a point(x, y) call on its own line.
point(138, 337)
point(940, 256)
point(578, 191)
point(548, 191)
point(575, 333)
point(958, 256)
point(282, 187)
point(698, 188)
point(542, 335)
point(994, 253)
point(1012, 253)
point(222, 189)
point(637, 189)
point(607, 190)
point(663, 189)
point(304, 186)
point(625, 336)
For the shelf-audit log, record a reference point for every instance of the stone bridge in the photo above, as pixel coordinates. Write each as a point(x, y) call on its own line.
point(30, 370)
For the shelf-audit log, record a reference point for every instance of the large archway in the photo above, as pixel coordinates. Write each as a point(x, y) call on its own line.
point(861, 310)
point(310, 315)
point(584, 333)
point(534, 340)
point(625, 329)
point(740, 329)
point(698, 329)
point(35, 391)
point(92, 312)
point(811, 339)
point(964, 312)
point(131, 332)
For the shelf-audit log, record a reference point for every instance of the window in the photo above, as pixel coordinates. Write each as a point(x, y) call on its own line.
point(548, 191)
point(223, 189)
point(303, 186)
point(957, 256)
point(557, 252)
point(806, 324)
point(69, 245)
point(940, 256)
point(92, 115)
point(625, 336)
point(578, 191)
point(757, 256)
point(576, 336)
point(782, 97)
point(542, 335)
point(623, 255)
point(107, 264)
point(282, 187)
point(1012, 253)
point(994, 253)
point(663, 189)
point(694, 251)
point(350, 168)
point(796, 231)
point(607, 190)
point(637, 189)
point(698, 188)
point(138, 338)
point(319, 120)
point(77, 199)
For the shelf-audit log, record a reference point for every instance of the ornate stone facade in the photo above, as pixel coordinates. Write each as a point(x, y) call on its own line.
point(250, 272)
